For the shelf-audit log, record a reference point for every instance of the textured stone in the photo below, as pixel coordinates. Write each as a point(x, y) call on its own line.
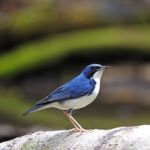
point(123, 138)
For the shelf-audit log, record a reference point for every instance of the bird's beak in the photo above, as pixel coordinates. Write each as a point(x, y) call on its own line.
point(105, 67)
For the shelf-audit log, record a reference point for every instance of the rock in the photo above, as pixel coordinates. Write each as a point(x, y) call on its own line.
point(122, 138)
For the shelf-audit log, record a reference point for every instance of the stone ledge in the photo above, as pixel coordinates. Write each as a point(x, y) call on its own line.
point(122, 138)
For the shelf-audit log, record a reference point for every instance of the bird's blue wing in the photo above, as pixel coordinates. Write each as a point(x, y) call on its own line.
point(74, 89)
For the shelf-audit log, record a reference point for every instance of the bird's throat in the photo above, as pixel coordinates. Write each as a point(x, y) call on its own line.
point(97, 76)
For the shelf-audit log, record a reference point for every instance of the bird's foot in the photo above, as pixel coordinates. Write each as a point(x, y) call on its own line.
point(80, 130)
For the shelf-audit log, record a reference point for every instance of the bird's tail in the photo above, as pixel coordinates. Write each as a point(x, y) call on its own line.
point(33, 109)
point(42, 104)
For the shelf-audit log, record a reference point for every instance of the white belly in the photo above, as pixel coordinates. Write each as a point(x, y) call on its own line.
point(73, 103)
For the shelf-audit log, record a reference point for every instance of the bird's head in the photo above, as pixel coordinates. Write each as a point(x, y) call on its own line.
point(93, 70)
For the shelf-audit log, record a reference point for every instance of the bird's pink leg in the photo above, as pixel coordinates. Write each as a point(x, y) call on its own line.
point(71, 121)
point(77, 126)
point(80, 128)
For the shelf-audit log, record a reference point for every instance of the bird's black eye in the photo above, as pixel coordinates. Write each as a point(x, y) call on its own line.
point(97, 68)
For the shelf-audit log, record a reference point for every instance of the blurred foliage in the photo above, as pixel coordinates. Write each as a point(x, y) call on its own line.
point(52, 49)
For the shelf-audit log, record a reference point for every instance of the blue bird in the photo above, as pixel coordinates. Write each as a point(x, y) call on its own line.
point(75, 94)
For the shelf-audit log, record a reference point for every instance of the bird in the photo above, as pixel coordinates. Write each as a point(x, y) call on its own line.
point(74, 94)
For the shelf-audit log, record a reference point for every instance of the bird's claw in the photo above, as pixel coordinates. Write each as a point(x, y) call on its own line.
point(80, 130)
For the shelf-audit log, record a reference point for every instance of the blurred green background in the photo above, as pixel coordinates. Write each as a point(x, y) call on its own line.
point(44, 43)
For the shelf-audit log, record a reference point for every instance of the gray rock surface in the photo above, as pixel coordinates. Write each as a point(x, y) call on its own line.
point(123, 138)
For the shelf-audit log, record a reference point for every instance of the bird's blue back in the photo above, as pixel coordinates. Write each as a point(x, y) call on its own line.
point(75, 88)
